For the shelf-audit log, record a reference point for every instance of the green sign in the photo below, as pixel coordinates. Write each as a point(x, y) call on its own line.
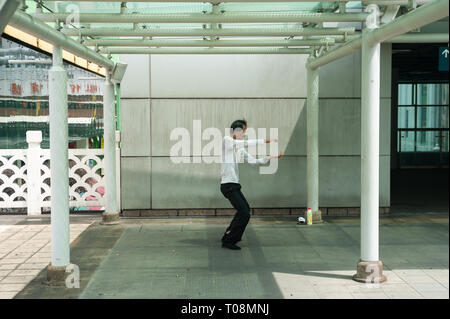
point(443, 58)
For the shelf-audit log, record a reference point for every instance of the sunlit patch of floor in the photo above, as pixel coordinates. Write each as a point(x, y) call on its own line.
point(401, 283)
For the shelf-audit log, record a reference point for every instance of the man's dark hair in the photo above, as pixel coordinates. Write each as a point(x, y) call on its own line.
point(238, 124)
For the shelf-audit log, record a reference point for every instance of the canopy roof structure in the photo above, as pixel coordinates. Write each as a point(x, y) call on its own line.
point(93, 31)
point(97, 30)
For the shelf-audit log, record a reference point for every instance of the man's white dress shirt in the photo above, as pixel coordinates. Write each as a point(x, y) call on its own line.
point(233, 152)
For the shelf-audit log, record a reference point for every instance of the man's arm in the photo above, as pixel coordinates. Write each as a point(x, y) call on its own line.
point(256, 161)
point(229, 142)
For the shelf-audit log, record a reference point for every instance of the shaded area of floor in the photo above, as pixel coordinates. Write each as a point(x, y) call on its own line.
point(87, 252)
point(419, 190)
point(182, 258)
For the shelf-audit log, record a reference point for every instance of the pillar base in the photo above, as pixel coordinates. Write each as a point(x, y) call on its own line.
point(316, 216)
point(56, 276)
point(369, 272)
point(110, 218)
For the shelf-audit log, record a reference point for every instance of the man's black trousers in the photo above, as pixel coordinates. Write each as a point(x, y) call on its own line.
point(232, 191)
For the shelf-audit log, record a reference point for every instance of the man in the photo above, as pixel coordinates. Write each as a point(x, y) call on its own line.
point(233, 149)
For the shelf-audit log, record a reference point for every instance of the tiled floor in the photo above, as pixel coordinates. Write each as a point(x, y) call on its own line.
point(24, 251)
point(181, 258)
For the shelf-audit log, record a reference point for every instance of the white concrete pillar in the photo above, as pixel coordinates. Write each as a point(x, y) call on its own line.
point(111, 214)
point(370, 141)
point(312, 142)
point(34, 139)
point(370, 268)
point(59, 160)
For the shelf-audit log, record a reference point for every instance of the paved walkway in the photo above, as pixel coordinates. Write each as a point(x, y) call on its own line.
point(25, 249)
point(182, 258)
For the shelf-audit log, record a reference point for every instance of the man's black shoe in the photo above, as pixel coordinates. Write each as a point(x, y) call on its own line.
point(230, 246)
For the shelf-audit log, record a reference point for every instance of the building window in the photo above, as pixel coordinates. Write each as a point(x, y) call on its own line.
point(423, 128)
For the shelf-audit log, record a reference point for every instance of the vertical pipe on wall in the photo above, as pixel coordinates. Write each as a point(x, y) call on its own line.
point(118, 106)
point(117, 147)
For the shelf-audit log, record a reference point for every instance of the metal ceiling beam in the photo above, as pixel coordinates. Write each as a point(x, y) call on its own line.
point(7, 9)
point(419, 38)
point(291, 31)
point(404, 2)
point(205, 51)
point(389, 13)
point(394, 2)
point(207, 43)
point(211, 1)
point(426, 14)
point(240, 17)
point(45, 32)
point(341, 51)
point(403, 38)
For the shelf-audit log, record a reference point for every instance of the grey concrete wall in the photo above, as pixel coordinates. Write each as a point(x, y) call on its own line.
point(162, 92)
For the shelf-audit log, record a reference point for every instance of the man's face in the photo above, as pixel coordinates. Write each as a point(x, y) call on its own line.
point(240, 133)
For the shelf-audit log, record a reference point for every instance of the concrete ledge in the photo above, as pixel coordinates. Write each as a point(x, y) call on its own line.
point(110, 218)
point(56, 276)
point(196, 212)
point(158, 212)
point(271, 211)
point(225, 212)
point(317, 215)
point(351, 211)
point(354, 211)
point(337, 211)
point(131, 213)
point(369, 272)
point(298, 211)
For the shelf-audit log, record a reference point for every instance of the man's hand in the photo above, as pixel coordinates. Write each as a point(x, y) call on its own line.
point(276, 156)
point(268, 140)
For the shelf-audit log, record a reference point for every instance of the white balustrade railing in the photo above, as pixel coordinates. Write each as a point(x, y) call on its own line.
point(13, 179)
point(25, 176)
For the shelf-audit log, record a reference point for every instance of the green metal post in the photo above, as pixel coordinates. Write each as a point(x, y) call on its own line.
point(118, 105)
